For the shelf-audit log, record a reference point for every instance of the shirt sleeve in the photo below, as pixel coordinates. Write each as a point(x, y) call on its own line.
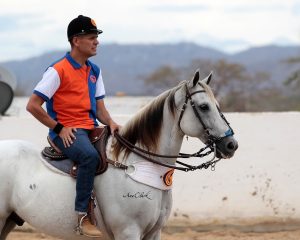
point(100, 90)
point(48, 85)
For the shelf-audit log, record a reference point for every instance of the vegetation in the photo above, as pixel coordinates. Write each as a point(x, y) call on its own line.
point(295, 76)
point(235, 88)
point(293, 84)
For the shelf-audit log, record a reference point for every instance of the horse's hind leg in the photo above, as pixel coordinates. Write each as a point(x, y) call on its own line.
point(6, 227)
point(2, 223)
point(8, 224)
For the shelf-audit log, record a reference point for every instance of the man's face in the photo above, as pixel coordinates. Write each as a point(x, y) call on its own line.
point(87, 44)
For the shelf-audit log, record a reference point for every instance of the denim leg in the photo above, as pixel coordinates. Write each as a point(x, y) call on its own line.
point(86, 156)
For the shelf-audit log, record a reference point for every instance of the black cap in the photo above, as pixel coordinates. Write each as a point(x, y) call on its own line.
point(82, 25)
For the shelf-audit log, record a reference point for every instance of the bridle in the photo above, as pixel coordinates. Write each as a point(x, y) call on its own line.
point(211, 141)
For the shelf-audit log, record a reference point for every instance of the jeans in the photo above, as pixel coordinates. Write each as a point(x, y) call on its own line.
point(86, 156)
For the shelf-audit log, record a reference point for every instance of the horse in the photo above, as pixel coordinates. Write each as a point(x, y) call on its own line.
point(134, 203)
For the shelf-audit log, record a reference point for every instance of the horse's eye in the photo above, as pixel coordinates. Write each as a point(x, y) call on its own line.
point(204, 107)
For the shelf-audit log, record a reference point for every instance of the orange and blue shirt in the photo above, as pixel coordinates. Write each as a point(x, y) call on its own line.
point(71, 92)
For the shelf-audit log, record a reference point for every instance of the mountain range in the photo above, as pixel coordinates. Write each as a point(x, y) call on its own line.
point(124, 67)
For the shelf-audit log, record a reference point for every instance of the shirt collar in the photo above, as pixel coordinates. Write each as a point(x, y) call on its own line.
point(75, 64)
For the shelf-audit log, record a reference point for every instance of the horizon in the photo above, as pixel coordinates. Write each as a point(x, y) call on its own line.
point(151, 44)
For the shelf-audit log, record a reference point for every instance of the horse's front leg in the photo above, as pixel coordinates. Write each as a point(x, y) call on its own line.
point(154, 236)
point(130, 233)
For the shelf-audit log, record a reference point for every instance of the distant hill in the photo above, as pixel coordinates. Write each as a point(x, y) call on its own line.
point(125, 66)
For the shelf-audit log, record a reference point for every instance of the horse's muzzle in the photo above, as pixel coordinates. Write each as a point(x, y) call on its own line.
point(226, 147)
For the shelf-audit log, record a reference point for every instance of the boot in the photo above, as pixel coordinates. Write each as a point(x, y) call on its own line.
point(86, 228)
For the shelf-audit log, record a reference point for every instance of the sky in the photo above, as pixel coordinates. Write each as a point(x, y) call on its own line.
point(32, 27)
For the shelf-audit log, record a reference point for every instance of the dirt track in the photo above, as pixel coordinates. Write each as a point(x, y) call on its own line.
point(187, 235)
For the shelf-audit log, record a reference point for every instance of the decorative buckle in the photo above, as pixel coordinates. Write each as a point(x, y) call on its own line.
point(117, 164)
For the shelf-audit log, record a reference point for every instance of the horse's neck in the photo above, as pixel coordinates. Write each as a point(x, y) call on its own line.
point(169, 141)
point(171, 137)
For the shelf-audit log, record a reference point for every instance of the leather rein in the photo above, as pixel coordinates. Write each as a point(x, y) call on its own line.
point(211, 143)
point(143, 153)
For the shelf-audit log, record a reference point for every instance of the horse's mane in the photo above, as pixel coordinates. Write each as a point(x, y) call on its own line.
point(145, 127)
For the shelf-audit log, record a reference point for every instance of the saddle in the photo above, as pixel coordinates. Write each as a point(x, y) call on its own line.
point(54, 156)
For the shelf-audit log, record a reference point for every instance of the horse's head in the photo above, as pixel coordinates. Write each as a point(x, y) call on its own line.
point(201, 117)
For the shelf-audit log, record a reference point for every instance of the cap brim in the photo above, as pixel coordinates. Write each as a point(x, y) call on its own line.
point(98, 31)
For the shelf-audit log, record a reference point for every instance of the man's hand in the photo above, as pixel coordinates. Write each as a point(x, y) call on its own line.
point(113, 127)
point(67, 136)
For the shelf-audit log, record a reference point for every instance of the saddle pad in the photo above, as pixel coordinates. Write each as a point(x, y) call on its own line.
point(151, 174)
point(65, 165)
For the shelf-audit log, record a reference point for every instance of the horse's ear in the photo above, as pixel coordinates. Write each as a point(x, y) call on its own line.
point(208, 78)
point(196, 78)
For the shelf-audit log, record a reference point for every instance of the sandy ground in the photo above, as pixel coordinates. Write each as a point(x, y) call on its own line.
point(187, 235)
point(259, 184)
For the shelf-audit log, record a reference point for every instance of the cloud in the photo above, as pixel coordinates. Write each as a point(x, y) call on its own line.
point(295, 9)
point(34, 26)
point(178, 8)
point(26, 35)
point(256, 8)
point(8, 23)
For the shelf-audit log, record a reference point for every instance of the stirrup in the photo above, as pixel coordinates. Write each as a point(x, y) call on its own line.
point(78, 228)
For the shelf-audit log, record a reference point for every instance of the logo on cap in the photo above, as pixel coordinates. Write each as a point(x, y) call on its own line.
point(93, 22)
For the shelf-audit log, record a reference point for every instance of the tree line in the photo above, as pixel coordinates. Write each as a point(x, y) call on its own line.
point(235, 88)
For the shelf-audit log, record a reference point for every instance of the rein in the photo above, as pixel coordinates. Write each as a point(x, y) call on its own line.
point(141, 152)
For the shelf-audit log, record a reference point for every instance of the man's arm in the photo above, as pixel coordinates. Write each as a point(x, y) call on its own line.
point(104, 117)
point(34, 106)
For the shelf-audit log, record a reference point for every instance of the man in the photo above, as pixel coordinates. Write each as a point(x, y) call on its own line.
point(74, 92)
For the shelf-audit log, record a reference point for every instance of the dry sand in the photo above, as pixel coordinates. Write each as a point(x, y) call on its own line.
point(261, 181)
point(187, 235)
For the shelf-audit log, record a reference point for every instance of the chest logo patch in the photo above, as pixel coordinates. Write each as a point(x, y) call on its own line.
point(93, 79)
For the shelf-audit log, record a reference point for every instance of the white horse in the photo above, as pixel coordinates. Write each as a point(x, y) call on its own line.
point(132, 204)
